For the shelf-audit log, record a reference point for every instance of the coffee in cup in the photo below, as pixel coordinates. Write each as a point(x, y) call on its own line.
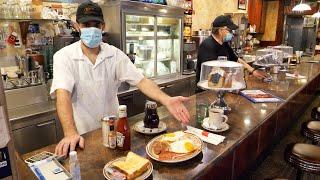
point(216, 118)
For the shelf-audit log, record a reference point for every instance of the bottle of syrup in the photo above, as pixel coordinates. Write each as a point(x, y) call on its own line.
point(123, 130)
point(151, 118)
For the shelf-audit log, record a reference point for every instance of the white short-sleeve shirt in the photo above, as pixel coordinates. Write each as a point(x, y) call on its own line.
point(93, 87)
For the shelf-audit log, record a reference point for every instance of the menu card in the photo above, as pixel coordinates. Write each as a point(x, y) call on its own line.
point(260, 96)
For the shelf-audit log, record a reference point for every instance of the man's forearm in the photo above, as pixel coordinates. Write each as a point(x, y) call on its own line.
point(65, 112)
point(246, 65)
point(152, 90)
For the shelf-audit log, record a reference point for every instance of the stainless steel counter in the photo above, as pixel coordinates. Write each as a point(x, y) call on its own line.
point(31, 110)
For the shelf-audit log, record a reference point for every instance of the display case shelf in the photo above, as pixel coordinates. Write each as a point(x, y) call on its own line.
point(150, 37)
point(146, 24)
point(150, 60)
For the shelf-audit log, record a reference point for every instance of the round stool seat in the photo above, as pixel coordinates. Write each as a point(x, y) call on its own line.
point(304, 157)
point(314, 125)
point(311, 130)
point(307, 152)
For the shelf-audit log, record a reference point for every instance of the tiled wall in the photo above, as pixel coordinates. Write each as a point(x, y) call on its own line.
point(207, 10)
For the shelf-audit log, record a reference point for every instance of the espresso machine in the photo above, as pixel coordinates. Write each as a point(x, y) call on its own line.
point(189, 57)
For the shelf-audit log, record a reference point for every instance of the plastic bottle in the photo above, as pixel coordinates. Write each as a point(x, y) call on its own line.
point(123, 129)
point(74, 166)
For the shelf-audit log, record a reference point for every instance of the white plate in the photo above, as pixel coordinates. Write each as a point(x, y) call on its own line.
point(139, 127)
point(145, 175)
point(224, 127)
point(196, 140)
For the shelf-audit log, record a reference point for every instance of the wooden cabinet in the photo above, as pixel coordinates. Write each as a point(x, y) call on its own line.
point(257, 14)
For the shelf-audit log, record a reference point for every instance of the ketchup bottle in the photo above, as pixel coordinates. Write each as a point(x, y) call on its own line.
point(123, 129)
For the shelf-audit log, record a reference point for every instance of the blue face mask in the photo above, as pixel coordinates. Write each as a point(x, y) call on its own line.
point(91, 36)
point(228, 37)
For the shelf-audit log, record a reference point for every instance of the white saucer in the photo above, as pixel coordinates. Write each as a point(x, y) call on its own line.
point(139, 127)
point(205, 125)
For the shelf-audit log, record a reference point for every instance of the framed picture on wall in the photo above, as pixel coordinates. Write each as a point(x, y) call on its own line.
point(242, 4)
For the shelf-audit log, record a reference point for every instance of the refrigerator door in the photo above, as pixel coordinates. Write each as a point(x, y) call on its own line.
point(140, 40)
point(168, 45)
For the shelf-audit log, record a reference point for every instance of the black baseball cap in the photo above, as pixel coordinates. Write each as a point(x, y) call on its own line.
point(222, 21)
point(89, 11)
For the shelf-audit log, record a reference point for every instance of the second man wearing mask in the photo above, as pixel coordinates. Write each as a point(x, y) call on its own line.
point(218, 45)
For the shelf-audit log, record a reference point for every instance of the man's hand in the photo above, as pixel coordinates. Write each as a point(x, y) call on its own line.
point(259, 74)
point(69, 142)
point(176, 107)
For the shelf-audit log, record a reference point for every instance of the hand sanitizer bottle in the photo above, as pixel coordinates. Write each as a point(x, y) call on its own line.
point(74, 166)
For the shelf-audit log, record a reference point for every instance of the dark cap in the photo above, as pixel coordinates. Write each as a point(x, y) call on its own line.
point(89, 11)
point(222, 21)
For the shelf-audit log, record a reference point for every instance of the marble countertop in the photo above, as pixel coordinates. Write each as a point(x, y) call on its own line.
point(244, 118)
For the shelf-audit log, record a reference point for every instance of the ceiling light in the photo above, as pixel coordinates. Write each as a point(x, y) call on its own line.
point(301, 7)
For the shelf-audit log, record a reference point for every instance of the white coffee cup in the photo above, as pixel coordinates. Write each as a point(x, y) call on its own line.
point(216, 118)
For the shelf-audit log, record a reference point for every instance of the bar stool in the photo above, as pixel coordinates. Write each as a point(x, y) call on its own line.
point(315, 113)
point(311, 130)
point(303, 157)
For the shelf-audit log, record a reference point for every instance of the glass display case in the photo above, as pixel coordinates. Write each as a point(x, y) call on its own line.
point(156, 45)
point(151, 35)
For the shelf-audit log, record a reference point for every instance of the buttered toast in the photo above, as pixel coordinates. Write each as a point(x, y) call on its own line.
point(133, 166)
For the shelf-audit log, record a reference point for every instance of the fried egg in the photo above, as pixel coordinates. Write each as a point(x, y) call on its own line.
point(182, 146)
point(171, 137)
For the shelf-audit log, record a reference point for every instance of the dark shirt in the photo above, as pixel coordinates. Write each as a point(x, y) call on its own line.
point(210, 49)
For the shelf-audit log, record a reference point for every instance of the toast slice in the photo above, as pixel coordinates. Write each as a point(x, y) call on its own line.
point(133, 166)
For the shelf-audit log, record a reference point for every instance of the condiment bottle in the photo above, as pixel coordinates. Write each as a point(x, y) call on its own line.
point(151, 118)
point(74, 166)
point(123, 129)
point(105, 130)
point(112, 136)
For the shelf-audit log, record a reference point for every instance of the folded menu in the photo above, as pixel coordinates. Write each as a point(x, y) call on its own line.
point(260, 96)
point(206, 136)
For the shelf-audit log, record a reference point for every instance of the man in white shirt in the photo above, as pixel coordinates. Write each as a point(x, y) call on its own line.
point(86, 77)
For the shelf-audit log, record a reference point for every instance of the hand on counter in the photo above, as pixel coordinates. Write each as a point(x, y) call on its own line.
point(176, 107)
point(259, 74)
point(69, 143)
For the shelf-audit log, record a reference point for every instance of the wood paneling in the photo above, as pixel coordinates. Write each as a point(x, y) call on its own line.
point(267, 133)
point(257, 14)
point(246, 153)
point(222, 170)
point(283, 119)
point(279, 29)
